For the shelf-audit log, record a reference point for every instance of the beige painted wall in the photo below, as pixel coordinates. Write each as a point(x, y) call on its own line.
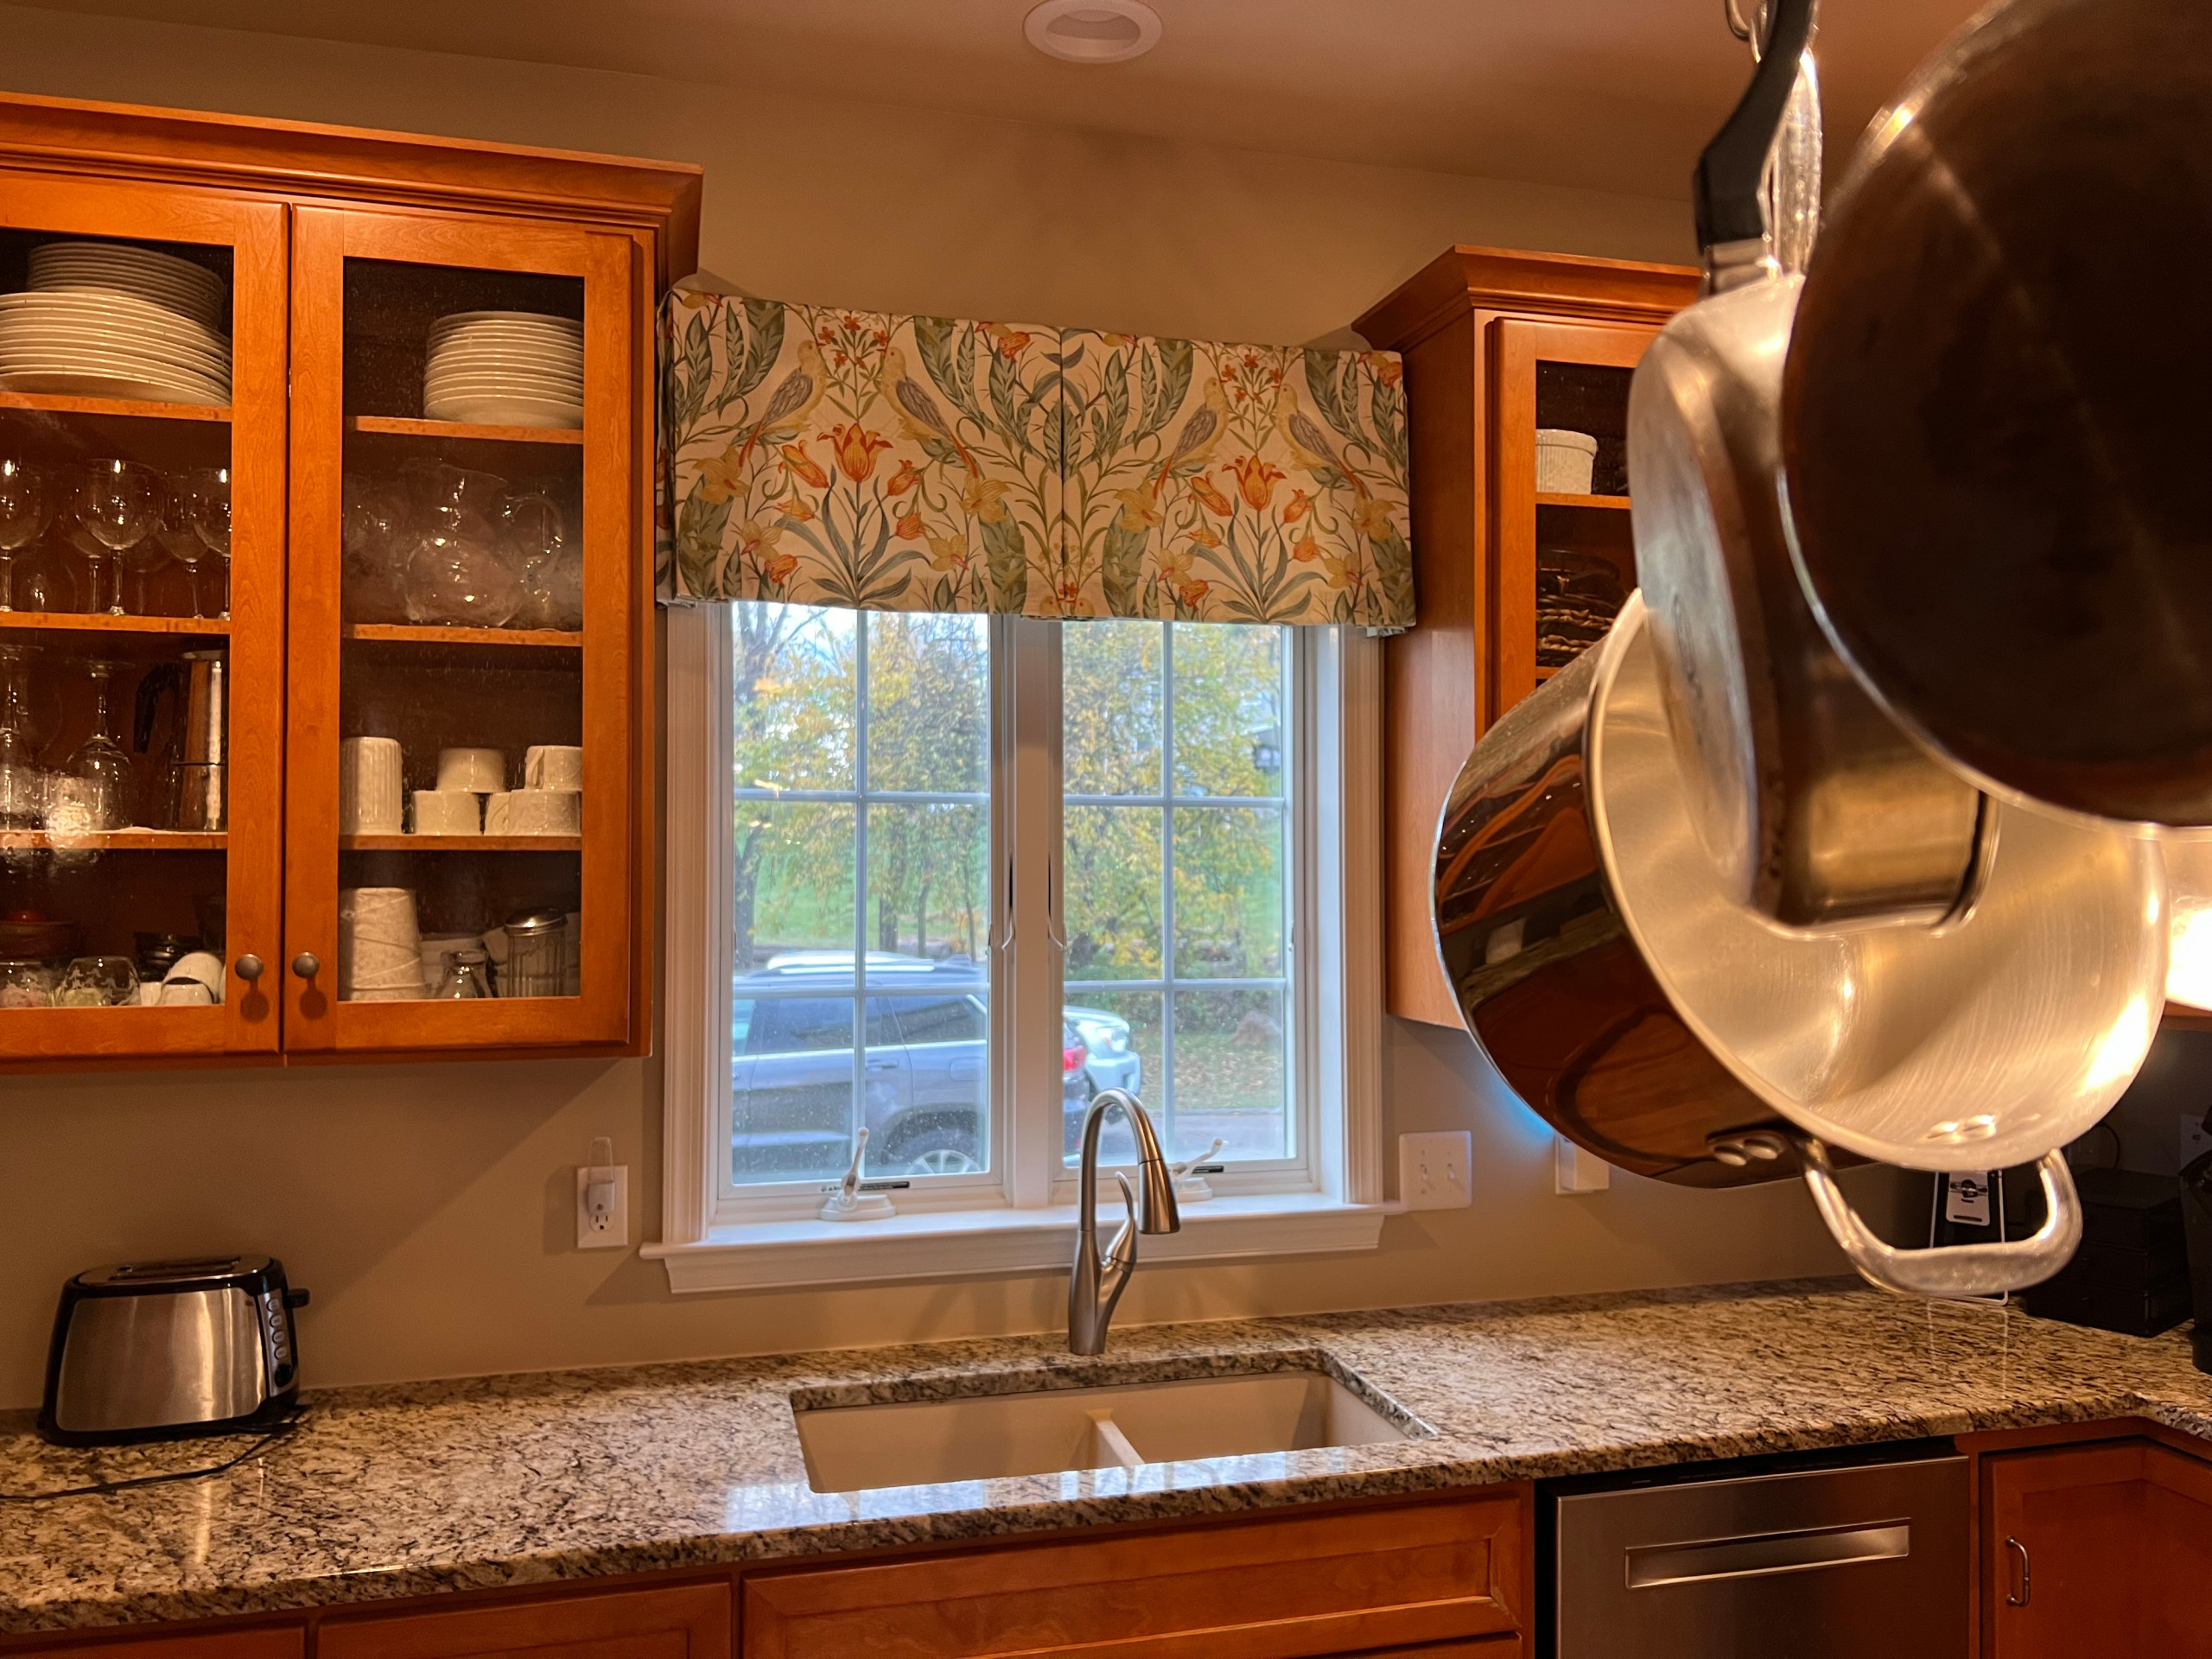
point(426, 1206)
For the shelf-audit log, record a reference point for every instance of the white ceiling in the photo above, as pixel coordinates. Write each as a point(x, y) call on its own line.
point(1607, 94)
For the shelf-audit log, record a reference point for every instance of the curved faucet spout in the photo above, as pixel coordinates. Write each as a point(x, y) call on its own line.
point(1095, 1285)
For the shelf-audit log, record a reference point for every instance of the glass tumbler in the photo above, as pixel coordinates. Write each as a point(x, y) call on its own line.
point(98, 982)
point(26, 985)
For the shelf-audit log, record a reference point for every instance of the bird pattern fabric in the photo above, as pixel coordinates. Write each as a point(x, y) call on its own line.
point(820, 456)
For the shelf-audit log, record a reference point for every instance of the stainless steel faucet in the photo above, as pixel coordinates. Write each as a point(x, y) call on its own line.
point(1096, 1285)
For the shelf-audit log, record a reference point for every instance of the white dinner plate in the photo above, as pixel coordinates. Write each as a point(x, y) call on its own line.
point(78, 384)
point(112, 363)
point(100, 308)
point(506, 319)
point(524, 385)
point(506, 411)
point(551, 356)
point(72, 340)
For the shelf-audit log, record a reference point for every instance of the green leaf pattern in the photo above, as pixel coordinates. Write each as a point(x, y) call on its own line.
point(885, 462)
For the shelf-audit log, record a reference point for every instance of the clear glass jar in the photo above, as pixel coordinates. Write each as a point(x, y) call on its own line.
point(537, 954)
point(465, 976)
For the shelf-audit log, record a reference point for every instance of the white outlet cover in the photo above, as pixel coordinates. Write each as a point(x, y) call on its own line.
point(1436, 1170)
point(615, 1235)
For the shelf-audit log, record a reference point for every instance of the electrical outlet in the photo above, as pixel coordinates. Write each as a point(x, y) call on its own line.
point(602, 1227)
point(1435, 1170)
point(2194, 1143)
point(1576, 1170)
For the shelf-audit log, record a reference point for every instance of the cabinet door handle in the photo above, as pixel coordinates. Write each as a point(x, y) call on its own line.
point(2013, 1545)
point(248, 968)
point(307, 964)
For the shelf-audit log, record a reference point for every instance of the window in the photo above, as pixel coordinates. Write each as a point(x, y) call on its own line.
point(968, 873)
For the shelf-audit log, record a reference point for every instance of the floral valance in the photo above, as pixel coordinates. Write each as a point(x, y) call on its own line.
point(844, 458)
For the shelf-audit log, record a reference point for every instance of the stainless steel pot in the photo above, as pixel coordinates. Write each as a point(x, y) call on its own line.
point(1601, 959)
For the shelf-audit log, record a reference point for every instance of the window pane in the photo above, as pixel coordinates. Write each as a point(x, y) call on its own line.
point(833, 711)
point(794, 886)
point(1112, 891)
point(929, 704)
point(929, 881)
point(1229, 910)
point(1120, 1035)
point(1228, 710)
point(1230, 1076)
point(1110, 707)
point(793, 681)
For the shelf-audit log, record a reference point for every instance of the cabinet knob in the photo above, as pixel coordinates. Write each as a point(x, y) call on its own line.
point(307, 964)
point(248, 968)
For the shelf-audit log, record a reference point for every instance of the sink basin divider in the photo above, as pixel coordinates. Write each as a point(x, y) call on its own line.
point(1111, 1448)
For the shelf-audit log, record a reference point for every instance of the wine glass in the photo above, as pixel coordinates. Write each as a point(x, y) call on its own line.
point(97, 982)
point(23, 785)
point(26, 505)
point(101, 764)
point(208, 490)
point(117, 505)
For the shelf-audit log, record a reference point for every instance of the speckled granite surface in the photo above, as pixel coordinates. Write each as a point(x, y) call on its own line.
point(396, 1491)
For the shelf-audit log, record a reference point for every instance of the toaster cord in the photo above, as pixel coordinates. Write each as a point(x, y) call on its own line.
point(104, 1488)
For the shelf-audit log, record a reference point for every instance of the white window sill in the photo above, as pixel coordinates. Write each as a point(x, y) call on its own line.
point(964, 1243)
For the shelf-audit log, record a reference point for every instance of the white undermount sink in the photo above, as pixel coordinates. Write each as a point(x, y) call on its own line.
point(984, 1437)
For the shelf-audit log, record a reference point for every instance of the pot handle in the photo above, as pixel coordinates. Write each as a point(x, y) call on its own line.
point(1951, 1269)
point(1726, 189)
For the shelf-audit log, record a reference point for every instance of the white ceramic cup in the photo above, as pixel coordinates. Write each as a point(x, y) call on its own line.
point(535, 812)
point(553, 765)
point(484, 771)
point(449, 813)
point(201, 968)
point(369, 786)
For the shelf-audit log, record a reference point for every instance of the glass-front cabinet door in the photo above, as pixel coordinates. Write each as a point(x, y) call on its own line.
point(142, 337)
point(465, 601)
point(1566, 548)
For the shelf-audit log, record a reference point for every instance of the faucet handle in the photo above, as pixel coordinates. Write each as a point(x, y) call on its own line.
point(1125, 1239)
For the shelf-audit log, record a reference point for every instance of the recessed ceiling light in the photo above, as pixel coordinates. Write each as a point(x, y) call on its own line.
point(1092, 31)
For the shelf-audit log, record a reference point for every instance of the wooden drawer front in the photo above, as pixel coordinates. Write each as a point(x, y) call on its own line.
point(282, 1643)
point(688, 1623)
point(1273, 1589)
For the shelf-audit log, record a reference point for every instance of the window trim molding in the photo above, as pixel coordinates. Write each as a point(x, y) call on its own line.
point(1344, 1042)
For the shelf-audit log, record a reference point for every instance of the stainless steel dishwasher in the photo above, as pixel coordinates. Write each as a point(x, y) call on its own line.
point(1783, 1562)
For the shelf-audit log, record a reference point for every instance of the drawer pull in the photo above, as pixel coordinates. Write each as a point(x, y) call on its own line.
point(2014, 1547)
point(1650, 1565)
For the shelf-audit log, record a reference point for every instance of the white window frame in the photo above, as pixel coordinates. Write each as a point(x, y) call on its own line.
point(1021, 1217)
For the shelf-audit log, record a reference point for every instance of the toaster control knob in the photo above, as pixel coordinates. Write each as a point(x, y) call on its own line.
point(307, 964)
point(248, 968)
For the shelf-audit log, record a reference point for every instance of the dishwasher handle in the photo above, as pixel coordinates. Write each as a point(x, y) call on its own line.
point(1760, 1555)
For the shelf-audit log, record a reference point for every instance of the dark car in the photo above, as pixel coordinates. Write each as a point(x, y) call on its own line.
point(925, 1070)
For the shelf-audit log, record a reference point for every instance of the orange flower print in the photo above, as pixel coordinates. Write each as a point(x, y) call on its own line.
point(756, 545)
point(798, 511)
point(856, 448)
point(1388, 367)
point(1140, 512)
point(1204, 489)
point(718, 478)
point(1297, 507)
point(1343, 574)
point(950, 553)
point(1306, 551)
point(1179, 573)
point(979, 496)
point(904, 480)
point(909, 526)
point(1256, 480)
point(799, 461)
point(1008, 343)
point(1203, 534)
point(1373, 517)
point(780, 568)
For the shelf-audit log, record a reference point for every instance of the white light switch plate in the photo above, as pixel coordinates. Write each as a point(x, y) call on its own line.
point(615, 1235)
point(1575, 1170)
point(1435, 1169)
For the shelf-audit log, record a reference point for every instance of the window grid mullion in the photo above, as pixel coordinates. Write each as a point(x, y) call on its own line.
point(1167, 962)
point(857, 1110)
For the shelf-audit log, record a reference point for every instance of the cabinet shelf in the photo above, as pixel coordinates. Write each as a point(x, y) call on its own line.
point(461, 431)
point(115, 841)
point(131, 408)
point(99, 622)
point(460, 843)
point(399, 633)
point(1603, 503)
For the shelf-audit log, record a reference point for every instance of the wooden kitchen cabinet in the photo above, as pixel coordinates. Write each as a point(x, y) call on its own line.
point(688, 1621)
point(1443, 1578)
point(265, 1642)
point(1497, 345)
point(2100, 1549)
point(334, 253)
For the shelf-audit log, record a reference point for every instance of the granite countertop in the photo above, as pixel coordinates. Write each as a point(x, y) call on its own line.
point(401, 1490)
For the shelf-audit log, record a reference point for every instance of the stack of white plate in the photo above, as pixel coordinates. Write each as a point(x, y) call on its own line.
point(112, 321)
point(506, 368)
point(105, 321)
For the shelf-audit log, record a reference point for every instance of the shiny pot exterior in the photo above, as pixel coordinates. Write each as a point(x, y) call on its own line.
point(1549, 980)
